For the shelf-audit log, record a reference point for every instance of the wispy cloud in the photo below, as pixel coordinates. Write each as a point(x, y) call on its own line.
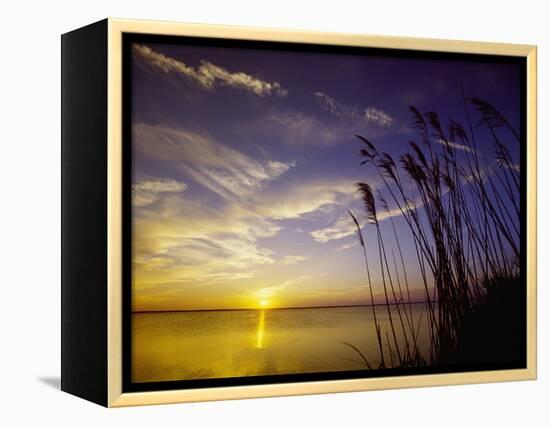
point(207, 75)
point(218, 167)
point(293, 126)
point(378, 117)
point(186, 239)
point(337, 108)
point(298, 128)
point(353, 113)
point(343, 226)
point(293, 260)
point(454, 145)
point(340, 228)
point(305, 198)
point(347, 246)
point(147, 191)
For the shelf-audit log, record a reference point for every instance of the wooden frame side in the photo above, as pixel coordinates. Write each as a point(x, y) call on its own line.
point(116, 397)
point(114, 212)
point(532, 212)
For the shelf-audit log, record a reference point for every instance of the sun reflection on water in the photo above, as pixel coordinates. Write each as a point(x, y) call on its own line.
point(260, 330)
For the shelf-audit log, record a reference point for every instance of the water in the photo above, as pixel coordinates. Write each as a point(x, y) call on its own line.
point(217, 344)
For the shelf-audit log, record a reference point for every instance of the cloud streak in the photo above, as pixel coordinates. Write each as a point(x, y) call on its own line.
point(306, 198)
point(378, 117)
point(353, 113)
point(147, 191)
point(454, 145)
point(217, 167)
point(298, 128)
point(343, 226)
point(293, 260)
point(336, 108)
point(207, 75)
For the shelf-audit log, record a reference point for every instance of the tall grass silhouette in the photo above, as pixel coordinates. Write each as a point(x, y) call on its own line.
point(462, 208)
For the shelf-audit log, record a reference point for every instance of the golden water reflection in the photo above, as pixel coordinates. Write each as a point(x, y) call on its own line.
point(240, 343)
point(261, 330)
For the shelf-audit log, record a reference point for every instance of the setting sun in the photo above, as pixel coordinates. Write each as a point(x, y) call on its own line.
point(264, 303)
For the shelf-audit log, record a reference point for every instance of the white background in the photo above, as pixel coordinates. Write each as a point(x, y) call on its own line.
point(30, 211)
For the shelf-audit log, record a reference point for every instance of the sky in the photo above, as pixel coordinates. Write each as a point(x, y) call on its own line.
point(245, 165)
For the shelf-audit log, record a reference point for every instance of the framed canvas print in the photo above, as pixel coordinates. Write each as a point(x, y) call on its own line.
point(251, 212)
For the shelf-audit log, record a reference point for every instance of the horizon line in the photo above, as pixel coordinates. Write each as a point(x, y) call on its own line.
point(278, 308)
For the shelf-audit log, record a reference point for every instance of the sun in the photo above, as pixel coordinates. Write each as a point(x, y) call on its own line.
point(264, 303)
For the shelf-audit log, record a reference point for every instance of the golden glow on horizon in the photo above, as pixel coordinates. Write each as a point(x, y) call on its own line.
point(264, 303)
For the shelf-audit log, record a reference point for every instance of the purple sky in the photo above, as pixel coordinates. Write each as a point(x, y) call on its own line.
point(245, 164)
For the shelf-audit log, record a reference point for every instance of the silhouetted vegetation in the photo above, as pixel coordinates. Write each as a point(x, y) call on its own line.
point(462, 208)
